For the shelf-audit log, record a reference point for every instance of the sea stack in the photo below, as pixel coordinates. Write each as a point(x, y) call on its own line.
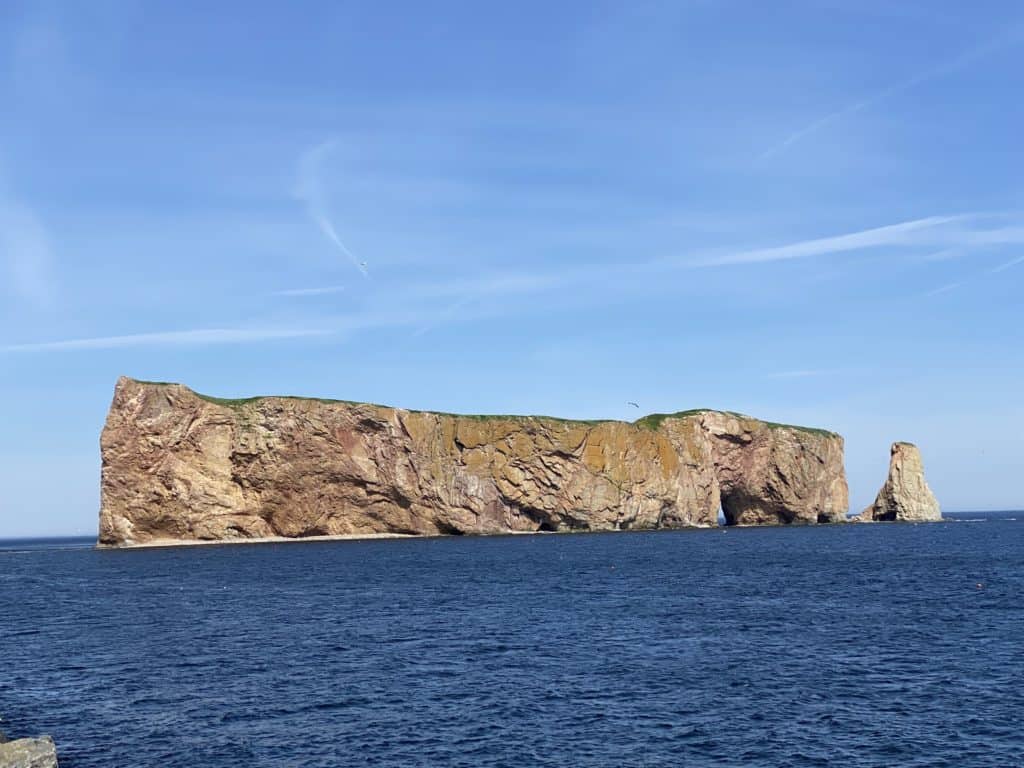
point(905, 495)
point(182, 467)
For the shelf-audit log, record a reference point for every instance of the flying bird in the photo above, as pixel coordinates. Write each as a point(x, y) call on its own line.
point(633, 404)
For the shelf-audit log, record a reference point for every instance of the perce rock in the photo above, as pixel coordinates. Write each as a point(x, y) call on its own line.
point(905, 495)
point(178, 467)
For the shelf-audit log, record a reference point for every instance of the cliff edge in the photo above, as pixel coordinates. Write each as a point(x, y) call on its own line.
point(179, 466)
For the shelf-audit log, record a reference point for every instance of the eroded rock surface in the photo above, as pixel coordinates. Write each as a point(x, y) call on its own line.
point(180, 466)
point(28, 753)
point(905, 495)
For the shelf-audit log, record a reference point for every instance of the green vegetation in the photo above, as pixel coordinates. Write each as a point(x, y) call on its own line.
point(652, 421)
point(514, 416)
point(238, 402)
point(230, 402)
point(812, 430)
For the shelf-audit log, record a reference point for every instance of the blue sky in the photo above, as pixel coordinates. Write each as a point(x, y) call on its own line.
point(807, 211)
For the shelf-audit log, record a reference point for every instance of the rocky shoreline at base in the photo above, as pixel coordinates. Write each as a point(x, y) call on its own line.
point(37, 752)
point(178, 465)
point(182, 468)
point(905, 495)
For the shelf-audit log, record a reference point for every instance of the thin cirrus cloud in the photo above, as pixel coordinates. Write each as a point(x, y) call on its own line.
point(948, 67)
point(906, 233)
point(1004, 236)
point(310, 190)
point(990, 271)
point(300, 292)
point(802, 374)
point(1006, 265)
point(944, 288)
point(340, 326)
point(199, 337)
point(948, 231)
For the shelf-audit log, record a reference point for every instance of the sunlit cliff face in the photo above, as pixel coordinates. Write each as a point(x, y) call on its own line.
point(181, 466)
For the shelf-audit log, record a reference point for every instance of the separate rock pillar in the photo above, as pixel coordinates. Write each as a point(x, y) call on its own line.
point(905, 495)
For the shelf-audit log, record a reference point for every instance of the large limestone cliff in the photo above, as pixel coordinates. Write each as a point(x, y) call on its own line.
point(180, 466)
point(905, 494)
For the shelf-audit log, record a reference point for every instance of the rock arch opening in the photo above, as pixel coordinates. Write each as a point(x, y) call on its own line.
point(740, 509)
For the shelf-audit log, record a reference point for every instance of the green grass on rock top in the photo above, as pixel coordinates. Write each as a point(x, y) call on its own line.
point(652, 421)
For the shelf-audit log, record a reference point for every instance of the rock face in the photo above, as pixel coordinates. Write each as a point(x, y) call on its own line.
point(905, 495)
point(178, 466)
point(28, 753)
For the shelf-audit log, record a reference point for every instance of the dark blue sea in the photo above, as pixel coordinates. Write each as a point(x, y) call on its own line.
point(858, 645)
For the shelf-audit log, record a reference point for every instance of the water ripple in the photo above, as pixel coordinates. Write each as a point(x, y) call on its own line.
point(854, 646)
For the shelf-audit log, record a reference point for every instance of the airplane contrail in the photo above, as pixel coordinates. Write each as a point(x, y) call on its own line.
point(957, 63)
point(310, 191)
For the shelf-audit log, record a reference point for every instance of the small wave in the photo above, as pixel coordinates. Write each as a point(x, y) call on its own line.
point(353, 653)
point(44, 549)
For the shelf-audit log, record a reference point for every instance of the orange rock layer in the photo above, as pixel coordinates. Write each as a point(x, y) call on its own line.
point(178, 466)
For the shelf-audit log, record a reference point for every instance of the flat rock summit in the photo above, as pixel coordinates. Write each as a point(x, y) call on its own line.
point(181, 467)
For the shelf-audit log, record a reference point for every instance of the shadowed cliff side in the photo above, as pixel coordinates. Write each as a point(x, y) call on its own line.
point(178, 466)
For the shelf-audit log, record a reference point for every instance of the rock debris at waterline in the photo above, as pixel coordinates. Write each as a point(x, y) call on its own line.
point(179, 466)
point(28, 753)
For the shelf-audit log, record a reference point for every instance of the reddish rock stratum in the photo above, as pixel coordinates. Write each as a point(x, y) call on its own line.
point(180, 467)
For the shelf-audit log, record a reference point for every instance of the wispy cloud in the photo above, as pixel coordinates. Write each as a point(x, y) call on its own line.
point(946, 254)
point(958, 62)
point(944, 288)
point(473, 296)
point(499, 283)
point(444, 315)
point(337, 326)
point(990, 271)
point(997, 236)
point(802, 374)
point(471, 292)
point(903, 233)
point(192, 338)
point(298, 292)
point(26, 252)
point(1006, 265)
point(310, 190)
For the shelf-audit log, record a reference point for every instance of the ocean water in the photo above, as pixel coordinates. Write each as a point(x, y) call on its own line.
point(859, 645)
